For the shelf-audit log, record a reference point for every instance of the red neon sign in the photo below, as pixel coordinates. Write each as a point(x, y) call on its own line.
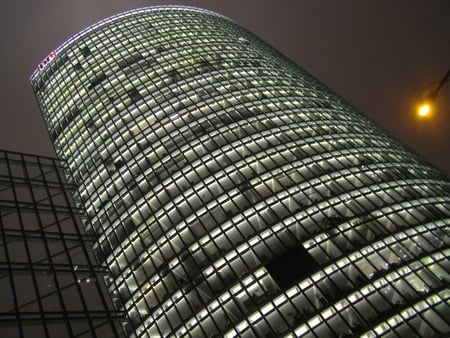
point(46, 61)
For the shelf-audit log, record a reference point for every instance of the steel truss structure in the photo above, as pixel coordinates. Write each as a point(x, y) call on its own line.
point(49, 281)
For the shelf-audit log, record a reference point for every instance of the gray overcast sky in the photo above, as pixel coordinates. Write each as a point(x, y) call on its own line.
point(380, 55)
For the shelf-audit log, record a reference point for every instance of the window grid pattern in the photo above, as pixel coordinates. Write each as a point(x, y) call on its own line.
point(49, 282)
point(209, 166)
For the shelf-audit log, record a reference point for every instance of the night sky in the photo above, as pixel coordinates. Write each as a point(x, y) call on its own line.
point(382, 56)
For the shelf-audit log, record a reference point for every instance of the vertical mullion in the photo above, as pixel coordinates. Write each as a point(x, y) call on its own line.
point(46, 245)
point(89, 261)
point(10, 268)
point(27, 250)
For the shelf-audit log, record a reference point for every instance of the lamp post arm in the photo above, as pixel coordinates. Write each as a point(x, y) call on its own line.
point(443, 81)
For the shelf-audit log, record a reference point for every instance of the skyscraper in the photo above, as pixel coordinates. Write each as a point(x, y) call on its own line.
point(231, 193)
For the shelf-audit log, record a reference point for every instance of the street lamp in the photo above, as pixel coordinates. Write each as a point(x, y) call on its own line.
point(425, 107)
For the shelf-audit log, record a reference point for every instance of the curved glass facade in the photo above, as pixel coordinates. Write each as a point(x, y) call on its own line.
point(232, 194)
